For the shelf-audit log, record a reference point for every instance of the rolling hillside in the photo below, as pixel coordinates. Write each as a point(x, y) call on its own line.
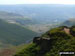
point(14, 34)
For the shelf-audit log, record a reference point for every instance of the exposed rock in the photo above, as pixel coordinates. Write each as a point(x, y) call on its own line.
point(36, 40)
point(44, 44)
point(67, 30)
point(39, 40)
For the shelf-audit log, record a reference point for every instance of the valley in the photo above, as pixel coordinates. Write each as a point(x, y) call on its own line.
point(30, 15)
point(19, 24)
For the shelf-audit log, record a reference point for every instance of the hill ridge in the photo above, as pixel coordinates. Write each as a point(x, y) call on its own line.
point(51, 43)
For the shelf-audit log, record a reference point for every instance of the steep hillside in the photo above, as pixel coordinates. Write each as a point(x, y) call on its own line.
point(51, 43)
point(14, 34)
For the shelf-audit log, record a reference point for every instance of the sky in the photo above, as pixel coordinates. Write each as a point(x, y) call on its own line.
point(37, 1)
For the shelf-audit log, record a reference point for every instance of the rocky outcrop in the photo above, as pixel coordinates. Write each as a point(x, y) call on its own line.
point(41, 40)
point(44, 43)
point(37, 40)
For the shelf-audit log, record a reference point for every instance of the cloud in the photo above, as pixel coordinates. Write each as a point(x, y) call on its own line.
point(37, 1)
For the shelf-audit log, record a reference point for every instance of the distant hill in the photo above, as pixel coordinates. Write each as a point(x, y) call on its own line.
point(14, 17)
point(69, 22)
point(26, 22)
point(40, 15)
point(45, 13)
point(14, 34)
point(56, 40)
point(9, 16)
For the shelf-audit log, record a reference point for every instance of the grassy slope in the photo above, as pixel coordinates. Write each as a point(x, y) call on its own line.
point(61, 42)
point(14, 34)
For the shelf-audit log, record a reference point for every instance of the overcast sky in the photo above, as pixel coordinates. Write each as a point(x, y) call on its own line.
point(37, 1)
